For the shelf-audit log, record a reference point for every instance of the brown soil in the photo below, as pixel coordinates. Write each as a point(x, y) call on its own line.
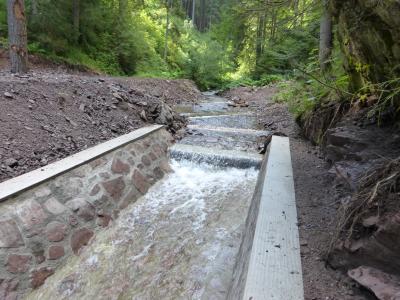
point(317, 199)
point(48, 115)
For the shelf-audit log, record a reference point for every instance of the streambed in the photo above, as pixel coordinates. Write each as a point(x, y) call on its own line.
point(179, 241)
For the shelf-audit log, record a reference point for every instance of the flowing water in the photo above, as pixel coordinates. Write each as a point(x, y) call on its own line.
point(180, 240)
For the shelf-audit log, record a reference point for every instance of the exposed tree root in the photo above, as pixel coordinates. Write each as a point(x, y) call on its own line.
point(372, 198)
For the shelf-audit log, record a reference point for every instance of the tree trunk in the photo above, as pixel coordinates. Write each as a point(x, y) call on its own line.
point(260, 35)
point(203, 20)
point(325, 39)
point(34, 8)
point(17, 36)
point(123, 9)
point(194, 12)
point(76, 19)
point(167, 30)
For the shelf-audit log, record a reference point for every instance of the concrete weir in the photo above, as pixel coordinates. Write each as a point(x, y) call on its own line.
point(221, 223)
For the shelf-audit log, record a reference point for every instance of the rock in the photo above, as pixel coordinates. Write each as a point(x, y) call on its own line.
point(146, 161)
point(384, 286)
point(71, 122)
point(56, 252)
point(158, 173)
point(87, 212)
point(143, 115)
point(370, 221)
point(17, 263)
point(39, 276)
point(54, 207)
point(115, 187)
point(95, 190)
point(31, 213)
point(118, 96)
point(10, 236)
point(8, 288)
point(8, 95)
point(140, 182)
point(104, 220)
point(165, 114)
point(11, 162)
point(76, 204)
point(152, 156)
point(119, 167)
point(56, 231)
point(80, 238)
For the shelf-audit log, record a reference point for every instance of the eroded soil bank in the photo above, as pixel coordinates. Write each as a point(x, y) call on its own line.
point(48, 115)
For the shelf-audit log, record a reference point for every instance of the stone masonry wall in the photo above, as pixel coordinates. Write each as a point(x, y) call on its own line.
point(41, 227)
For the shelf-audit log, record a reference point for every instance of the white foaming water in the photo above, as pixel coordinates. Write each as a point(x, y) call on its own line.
point(179, 241)
point(188, 189)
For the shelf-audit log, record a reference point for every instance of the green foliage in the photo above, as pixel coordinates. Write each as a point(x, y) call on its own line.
point(207, 61)
point(300, 96)
point(3, 19)
point(293, 48)
point(247, 81)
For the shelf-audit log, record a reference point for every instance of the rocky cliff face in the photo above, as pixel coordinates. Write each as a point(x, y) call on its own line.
point(369, 34)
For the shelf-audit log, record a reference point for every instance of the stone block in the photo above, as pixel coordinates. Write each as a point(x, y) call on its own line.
point(76, 204)
point(10, 236)
point(146, 161)
point(140, 182)
point(152, 156)
point(119, 167)
point(39, 276)
point(8, 288)
point(17, 263)
point(56, 231)
point(115, 188)
point(31, 213)
point(56, 252)
point(80, 238)
point(104, 220)
point(54, 207)
point(158, 173)
point(87, 212)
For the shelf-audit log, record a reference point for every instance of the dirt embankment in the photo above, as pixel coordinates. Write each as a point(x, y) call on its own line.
point(48, 115)
point(364, 161)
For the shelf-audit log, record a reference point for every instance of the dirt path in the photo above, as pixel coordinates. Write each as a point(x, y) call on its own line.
point(316, 197)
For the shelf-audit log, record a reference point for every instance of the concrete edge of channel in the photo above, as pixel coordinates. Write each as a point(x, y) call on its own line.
point(268, 265)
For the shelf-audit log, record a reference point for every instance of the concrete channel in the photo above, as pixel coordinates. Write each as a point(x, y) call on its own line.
point(222, 225)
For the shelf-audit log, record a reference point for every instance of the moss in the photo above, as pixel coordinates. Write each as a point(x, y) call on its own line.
point(369, 32)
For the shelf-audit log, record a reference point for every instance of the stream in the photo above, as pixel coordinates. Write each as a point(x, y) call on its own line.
point(180, 240)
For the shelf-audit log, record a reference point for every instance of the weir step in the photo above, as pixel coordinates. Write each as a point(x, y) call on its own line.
point(243, 120)
point(230, 130)
point(222, 158)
